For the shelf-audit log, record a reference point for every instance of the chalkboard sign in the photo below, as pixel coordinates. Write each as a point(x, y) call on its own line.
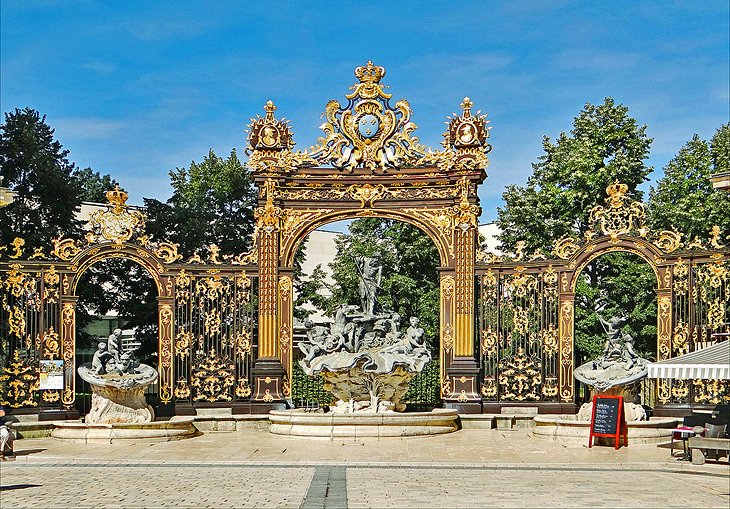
point(608, 420)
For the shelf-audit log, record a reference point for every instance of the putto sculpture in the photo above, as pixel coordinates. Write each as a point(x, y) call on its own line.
point(117, 382)
point(364, 357)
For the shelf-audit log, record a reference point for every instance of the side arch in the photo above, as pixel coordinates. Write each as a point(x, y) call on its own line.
point(636, 246)
point(147, 259)
point(154, 267)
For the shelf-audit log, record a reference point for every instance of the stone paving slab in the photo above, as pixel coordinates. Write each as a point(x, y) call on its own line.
point(470, 468)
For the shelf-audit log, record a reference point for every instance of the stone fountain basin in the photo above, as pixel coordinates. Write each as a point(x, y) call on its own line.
point(299, 422)
point(560, 427)
point(157, 431)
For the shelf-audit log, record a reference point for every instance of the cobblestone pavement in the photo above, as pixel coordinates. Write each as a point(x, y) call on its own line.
point(471, 468)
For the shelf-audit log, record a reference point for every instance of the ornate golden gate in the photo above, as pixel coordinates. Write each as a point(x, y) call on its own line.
point(527, 308)
point(506, 323)
point(380, 170)
point(206, 317)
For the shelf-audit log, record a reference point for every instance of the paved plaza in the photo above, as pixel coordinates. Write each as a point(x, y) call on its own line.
point(470, 468)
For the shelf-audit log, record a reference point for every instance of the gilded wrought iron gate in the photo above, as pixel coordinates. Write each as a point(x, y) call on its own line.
point(527, 310)
point(518, 345)
point(207, 313)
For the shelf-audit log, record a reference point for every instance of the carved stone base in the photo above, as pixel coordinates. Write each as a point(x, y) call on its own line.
point(119, 405)
point(464, 395)
point(159, 431)
point(632, 412)
point(568, 427)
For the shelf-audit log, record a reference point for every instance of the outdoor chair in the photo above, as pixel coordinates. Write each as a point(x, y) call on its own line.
point(716, 428)
point(690, 421)
point(721, 411)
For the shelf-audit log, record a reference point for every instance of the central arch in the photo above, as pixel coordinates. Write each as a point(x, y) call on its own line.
point(290, 248)
point(357, 171)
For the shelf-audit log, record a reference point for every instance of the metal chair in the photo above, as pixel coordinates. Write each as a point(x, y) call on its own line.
point(716, 428)
point(690, 421)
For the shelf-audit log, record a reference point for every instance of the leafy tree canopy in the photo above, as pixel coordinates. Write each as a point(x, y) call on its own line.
point(410, 284)
point(571, 177)
point(93, 185)
point(35, 166)
point(684, 198)
point(212, 203)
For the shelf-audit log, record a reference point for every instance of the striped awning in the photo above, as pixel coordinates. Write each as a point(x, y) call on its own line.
point(712, 362)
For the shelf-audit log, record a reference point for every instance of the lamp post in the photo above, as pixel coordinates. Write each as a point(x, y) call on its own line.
point(6, 195)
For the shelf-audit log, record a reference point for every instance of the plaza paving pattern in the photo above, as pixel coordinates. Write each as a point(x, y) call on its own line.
point(470, 468)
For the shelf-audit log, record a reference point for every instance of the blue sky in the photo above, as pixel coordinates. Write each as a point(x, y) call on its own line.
point(136, 89)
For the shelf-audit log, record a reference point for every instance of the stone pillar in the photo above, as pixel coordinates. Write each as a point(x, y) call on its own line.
point(165, 333)
point(68, 350)
point(567, 356)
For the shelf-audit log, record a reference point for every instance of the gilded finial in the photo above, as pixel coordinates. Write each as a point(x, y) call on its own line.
point(466, 105)
point(117, 198)
point(269, 108)
point(370, 73)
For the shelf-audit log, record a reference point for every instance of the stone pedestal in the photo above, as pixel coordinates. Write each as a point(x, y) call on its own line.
point(116, 405)
point(464, 397)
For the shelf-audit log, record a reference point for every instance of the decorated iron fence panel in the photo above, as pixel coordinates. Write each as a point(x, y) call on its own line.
point(701, 309)
point(29, 333)
point(214, 334)
point(519, 344)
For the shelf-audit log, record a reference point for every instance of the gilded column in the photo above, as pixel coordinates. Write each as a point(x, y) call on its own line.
point(165, 334)
point(68, 350)
point(463, 369)
point(567, 356)
point(446, 323)
point(268, 371)
point(664, 339)
point(464, 327)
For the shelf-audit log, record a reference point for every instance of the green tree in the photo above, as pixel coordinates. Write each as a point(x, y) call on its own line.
point(93, 185)
point(605, 145)
point(569, 179)
point(212, 203)
point(125, 287)
point(616, 273)
point(36, 166)
point(684, 198)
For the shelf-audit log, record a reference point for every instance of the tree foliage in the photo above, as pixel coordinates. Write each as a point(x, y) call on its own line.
point(93, 186)
point(626, 283)
point(410, 284)
point(36, 166)
point(125, 287)
point(684, 198)
point(212, 203)
point(571, 177)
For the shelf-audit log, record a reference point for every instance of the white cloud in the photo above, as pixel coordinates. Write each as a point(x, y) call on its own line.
point(86, 128)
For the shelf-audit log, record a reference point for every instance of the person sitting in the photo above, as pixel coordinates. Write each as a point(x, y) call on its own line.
point(6, 436)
